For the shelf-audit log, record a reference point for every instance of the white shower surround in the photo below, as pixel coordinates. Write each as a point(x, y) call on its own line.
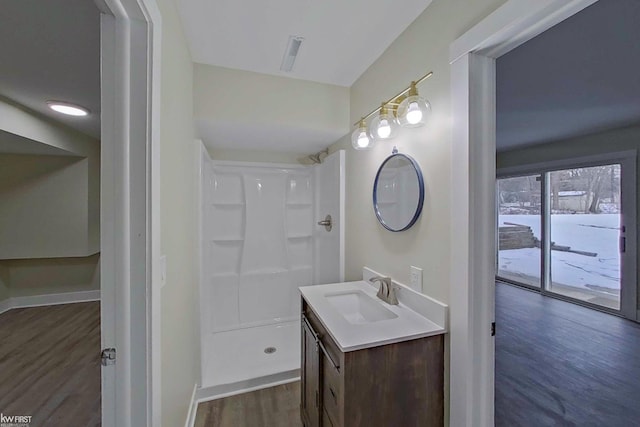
point(258, 235)
point(259, 244)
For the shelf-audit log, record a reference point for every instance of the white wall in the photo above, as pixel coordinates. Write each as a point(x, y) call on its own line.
point(423, 47)
point(44, 207)
point(180, 343)
point(244, 110)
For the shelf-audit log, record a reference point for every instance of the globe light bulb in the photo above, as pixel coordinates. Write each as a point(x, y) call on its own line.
point(414, 114)
point(414, 110)
point(360, 139)
point(363, 139)
point(384, 129)
point(383, 125)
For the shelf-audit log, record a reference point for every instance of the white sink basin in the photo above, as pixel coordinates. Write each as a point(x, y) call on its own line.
point(358, 307)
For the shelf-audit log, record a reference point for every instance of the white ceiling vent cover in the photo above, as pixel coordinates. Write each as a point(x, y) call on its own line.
point(290, 54)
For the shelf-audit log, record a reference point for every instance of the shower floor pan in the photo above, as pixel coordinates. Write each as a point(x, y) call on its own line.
point(245, 354)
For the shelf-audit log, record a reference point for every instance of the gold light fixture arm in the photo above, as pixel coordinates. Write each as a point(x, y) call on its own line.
point(396, 99)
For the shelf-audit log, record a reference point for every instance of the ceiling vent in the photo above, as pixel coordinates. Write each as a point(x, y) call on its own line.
point(290, 54)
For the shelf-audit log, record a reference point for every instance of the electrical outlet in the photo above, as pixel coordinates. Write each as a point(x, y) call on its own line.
point(415, 274)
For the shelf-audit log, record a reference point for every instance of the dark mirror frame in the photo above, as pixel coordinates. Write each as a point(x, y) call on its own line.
point(416, 215)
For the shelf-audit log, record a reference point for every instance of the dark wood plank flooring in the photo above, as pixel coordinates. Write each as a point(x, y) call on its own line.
point(49, 364)
point(270, 407)
point(560, 364)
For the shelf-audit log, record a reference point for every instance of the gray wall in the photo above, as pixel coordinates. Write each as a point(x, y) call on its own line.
point(4, 283)
point(45, 211)
point(622, 139)
point(46, 276)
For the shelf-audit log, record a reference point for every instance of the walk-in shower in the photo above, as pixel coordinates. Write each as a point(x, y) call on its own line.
point(260, 240)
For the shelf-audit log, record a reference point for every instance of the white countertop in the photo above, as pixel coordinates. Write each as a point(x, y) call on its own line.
point(349, 336)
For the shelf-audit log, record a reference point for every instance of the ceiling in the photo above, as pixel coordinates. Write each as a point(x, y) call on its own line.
point(580, 77)
point(265, 137)
point(341, 38)
point(50, 50)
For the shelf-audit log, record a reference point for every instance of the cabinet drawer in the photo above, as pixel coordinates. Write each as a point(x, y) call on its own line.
point(331, 391)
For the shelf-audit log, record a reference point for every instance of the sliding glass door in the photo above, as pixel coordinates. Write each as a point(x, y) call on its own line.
point(519, 229)
point(570, 231)
point(585, 230)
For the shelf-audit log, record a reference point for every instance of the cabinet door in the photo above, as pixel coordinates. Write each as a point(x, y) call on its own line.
point(310, 394)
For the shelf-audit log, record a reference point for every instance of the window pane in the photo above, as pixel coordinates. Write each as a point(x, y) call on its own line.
point(585, 231)
point(519, 225)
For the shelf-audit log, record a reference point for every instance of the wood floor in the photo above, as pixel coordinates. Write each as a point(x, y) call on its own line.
point(50, 364)
point(560, 364)
point(270, 407)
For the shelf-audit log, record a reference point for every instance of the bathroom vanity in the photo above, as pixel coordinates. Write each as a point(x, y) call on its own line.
point(368, 363)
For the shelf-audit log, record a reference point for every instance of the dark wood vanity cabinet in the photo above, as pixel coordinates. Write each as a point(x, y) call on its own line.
point(399, 384)
point(310, 376)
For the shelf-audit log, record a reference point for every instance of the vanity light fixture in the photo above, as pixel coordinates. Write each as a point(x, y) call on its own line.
point(384, 125)
point(360, 139)
point(68, 109)
point(406, 109)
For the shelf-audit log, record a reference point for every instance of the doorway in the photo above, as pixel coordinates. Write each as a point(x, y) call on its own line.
point(473, 67)
point(50, 284)
point(129, 208)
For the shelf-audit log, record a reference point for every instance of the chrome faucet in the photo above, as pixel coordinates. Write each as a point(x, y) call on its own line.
point(386, 292)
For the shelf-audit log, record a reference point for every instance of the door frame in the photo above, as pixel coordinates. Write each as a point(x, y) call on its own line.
point(130, 210)
point(472, 275)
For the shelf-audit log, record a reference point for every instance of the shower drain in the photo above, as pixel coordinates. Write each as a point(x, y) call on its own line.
point(270, 350)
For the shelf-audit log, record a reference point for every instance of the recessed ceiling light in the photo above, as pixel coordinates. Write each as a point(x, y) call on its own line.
point(68, 109)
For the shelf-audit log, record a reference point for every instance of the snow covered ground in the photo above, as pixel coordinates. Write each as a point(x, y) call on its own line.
point(584, 232)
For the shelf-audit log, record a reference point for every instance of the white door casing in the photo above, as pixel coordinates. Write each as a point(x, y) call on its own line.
point(130, 215)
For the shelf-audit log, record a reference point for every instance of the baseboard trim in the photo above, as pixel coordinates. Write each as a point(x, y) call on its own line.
point(206, 394)
point(51, 299)
point(193, 408)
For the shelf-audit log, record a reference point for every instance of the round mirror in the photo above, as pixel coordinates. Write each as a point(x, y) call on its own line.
point(398, 192)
